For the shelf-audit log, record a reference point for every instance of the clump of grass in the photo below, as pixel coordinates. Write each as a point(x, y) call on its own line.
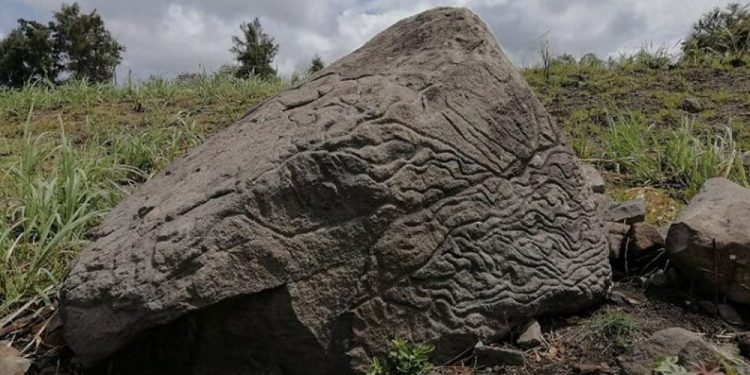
point(613, 325)
point(681, 159)
point(688, 160)
point(403, 359)
point(628, 142)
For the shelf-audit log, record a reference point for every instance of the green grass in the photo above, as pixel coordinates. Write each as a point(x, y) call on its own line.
point(611, 324)
point(625, 116)
point(70, 153)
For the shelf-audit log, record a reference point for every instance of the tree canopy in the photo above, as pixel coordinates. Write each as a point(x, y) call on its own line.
point(27, 53)
point(316, 64)
point(86, 47)
point(254, 50)
point(74, 45)
point(722, 32)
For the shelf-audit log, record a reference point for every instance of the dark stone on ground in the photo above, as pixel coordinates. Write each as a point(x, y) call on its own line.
point(488, 356)
point(710, 240)
point(644, 238)
point(589, 368)
point(629, 212)
point(729, 314)
point(531, 335)
point(688, 346)
point(692, 105)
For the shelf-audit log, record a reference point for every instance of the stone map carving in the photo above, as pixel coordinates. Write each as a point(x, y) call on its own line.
point(416, 187)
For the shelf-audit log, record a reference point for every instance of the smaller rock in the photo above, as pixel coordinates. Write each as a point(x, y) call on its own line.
point(602, 202)
point(629, 212)
point(615, 242)
point(488, 356)
point(708, 307)
point(657, 279)
point(689, 347)
point(592, 178)
point(692, 105)
point(729, 314)
point(531, 335)
point(590, 368)
point(621, 298)
point(617, 228)
point(644, 238)
point(11, 362)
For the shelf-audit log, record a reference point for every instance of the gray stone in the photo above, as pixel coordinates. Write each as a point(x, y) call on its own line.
point(692, 105)
point(718, 215)
point(531, 335)
point(643, 238)
point(708, 307)
point(729, 314)
point(617, 228)
point(629, 212)
point(488, 356)
point(11, 361)
point(592, 177)
point(688, 346)
point(414, 188)
point(602, 202)
point(590, 368)
point(616, 243)
point(657, 279)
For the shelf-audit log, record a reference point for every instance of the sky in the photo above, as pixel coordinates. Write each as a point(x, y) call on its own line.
point(168, 37)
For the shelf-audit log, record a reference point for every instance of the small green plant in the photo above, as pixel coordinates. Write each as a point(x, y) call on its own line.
point(403, 359)
point(613, 325)
point(669, 365)
point(629, 143)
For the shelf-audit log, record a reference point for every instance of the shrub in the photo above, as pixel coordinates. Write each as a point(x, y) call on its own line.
point(723, 33)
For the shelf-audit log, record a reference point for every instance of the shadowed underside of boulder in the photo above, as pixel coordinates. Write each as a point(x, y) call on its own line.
point(416, 187)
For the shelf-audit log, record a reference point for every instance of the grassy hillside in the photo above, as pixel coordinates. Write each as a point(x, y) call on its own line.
point(69, 153)
point(634, 124)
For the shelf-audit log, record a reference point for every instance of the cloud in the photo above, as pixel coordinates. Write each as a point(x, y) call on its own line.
point(166, 37)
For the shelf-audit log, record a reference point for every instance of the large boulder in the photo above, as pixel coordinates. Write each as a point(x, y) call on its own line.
point(414, 188)
point(710, 240)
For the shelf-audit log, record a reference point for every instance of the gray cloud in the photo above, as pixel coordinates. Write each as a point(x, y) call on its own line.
point(166, 37)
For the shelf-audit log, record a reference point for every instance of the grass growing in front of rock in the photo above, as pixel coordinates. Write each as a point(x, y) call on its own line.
point(70, 153)
point(613, 325)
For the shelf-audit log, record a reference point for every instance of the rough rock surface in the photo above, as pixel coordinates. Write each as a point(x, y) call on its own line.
point(644, 237)
point(593, 178)
point(415, 187)
point(720, 214)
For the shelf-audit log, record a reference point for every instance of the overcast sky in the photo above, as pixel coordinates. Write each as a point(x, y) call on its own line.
point(166, 37)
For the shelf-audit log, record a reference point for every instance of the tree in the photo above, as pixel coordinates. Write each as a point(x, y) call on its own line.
point(27, 53)
point(87, 49)
point(254, 51)
point(722, 32)
point(316, 64)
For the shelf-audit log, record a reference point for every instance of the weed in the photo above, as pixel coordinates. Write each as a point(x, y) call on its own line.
point(403, 359)
point(628, 144)
point(613, 325)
